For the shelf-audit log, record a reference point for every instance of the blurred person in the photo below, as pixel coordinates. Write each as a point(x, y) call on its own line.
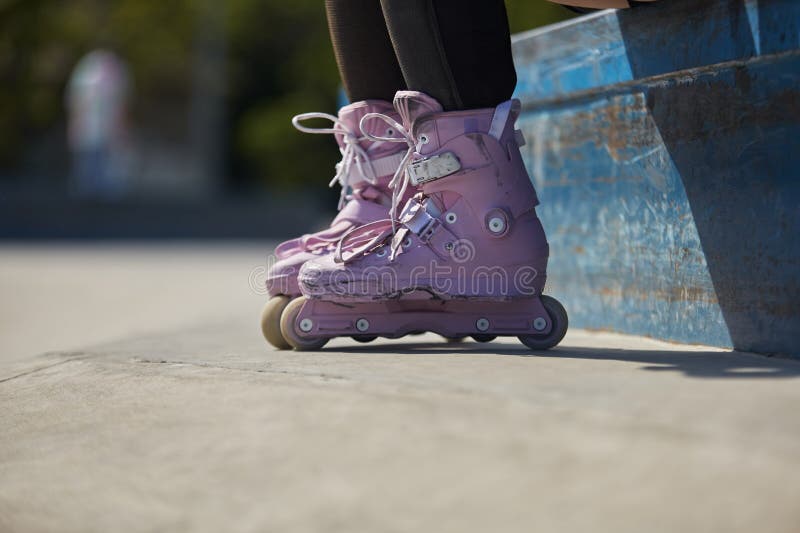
point(97, 97)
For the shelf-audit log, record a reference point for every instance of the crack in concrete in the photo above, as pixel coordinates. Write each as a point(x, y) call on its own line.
point(239, 369)
point(46, 367)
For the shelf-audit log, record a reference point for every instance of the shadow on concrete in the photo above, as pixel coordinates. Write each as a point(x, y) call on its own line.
point(729, 365)
point(695, 364)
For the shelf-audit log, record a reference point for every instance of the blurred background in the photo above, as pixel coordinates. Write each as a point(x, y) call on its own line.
point(132, 119)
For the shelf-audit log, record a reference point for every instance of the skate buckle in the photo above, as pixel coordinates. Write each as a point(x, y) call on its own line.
point(433, 168)
point(416, 218)
point(429, 229)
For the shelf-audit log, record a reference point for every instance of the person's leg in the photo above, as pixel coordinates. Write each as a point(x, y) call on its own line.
point(458, 52)
point(367, 61)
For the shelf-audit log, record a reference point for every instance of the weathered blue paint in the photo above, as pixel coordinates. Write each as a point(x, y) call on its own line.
point(664, 144)
point(625, 253)
point(613, 47)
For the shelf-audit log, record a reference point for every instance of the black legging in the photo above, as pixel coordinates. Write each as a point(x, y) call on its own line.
point(457, 51)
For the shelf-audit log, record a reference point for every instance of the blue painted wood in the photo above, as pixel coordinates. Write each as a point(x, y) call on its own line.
point(664, 144)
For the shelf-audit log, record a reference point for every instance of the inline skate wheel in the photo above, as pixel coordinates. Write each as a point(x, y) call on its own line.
point(271, 321)
point(290, 329)
point(454, 340)
point(484, 338)
point(560, 320)
point(364, 338)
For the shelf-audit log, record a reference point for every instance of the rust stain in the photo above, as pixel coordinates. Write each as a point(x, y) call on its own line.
point(621, 125)
point(670, 294)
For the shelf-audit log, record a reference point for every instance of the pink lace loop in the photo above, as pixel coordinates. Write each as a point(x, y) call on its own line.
point(361, 240)
point(399, 182)
point(352, 153)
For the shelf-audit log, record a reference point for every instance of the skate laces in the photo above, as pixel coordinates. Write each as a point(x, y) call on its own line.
point(400, 180)
point(352, 153)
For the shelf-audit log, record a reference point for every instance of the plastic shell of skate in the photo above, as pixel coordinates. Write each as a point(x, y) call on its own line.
point(540, 323)
point(465, 256)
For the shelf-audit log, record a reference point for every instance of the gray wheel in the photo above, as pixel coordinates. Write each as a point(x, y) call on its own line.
point(271, 321)
point(560, 320)
point(290, 332)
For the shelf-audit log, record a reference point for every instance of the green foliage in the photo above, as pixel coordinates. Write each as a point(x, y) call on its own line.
point(279, 62)
point(527, 14)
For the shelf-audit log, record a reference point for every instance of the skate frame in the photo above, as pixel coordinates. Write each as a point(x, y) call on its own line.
point(450, 318)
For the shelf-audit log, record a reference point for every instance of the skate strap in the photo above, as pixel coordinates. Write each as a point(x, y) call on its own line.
point(386, 166)
point(287, 248)
point(432, 168)
point(365, 204)
point(505, 112)
point(360, 210)
point(355, 156)
point(508, 110)
point(416, 218)
point(326, 238)
point(312, 242)
point(361, 240)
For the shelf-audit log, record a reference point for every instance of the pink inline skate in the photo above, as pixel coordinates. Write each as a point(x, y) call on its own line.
point(466, 256)
point(364, 174)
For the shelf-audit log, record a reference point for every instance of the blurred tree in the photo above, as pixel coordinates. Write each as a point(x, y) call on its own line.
point(41, 41)
point(527, 14)
point(279, 63)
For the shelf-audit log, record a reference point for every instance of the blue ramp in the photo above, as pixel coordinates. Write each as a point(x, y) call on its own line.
point(664, 143)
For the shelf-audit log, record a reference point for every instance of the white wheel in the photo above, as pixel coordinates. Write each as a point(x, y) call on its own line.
point(271, 321)
point(290, 331)
point(560, 321)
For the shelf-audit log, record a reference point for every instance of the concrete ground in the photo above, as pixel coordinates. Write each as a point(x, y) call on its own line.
point(156, 406)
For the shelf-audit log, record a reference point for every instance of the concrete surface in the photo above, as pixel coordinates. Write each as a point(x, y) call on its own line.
point(187, 421)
